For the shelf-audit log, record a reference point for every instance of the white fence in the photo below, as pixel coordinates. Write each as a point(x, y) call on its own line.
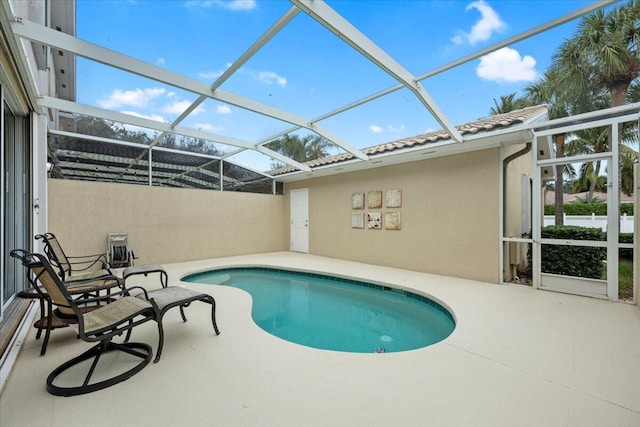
point(626, 221)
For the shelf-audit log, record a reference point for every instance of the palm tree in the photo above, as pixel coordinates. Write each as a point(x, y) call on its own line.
point(604, 51)
point(596, 140)
point(589, 141)
point(301, 149)
point(507, 104)
point(547, 90)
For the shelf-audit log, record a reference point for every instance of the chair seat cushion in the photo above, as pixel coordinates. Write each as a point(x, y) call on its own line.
point(172, 295)
point(91, 286)
point(112, 314)
point(88, 275)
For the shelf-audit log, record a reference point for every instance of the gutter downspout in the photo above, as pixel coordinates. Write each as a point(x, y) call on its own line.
point(505, 165)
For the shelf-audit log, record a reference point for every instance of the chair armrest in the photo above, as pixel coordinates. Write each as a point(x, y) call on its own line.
point(93, 285)
point(91, 260)
point(144, 291)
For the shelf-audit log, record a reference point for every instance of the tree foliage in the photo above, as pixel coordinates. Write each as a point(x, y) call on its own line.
point(604, 51)
point(598, 67)
point(508, 103)
point(301, 149)
point(112, 130)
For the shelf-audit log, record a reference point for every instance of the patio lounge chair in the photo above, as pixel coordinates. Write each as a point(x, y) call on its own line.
point(53, 319)
point(73, 268)
point(168, 297)
point(100, 325)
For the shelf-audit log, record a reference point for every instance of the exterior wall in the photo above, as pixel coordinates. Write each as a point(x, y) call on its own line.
point(164, 224)
point(450, 216)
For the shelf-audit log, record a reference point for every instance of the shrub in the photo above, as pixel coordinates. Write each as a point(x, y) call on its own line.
point(599, 209)
point(577, 261)
point(625, 253)
point(574, 260)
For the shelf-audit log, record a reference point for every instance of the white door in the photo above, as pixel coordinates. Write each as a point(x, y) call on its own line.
point(300, 220)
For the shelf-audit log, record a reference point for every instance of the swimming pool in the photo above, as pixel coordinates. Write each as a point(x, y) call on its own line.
point(337, 314)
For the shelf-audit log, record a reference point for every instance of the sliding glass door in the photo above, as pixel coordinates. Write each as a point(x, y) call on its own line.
point(15, 198)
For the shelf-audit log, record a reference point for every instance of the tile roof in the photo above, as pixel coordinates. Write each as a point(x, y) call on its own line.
point(483, 125)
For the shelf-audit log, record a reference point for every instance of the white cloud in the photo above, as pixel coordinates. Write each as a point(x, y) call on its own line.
point(134, 98)
point(223, 109)
point(388, 128)
point(207, 127)
point(213, 74)
point(269, 77)
point(210, 75)
point(234, 5)
point(160, 61)
point(507, 66)
point(178, 107)
point(239, 4)
point(483, 29)
point(393, 129)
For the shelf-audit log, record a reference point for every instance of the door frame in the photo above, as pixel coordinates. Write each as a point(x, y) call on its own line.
point(613, 221)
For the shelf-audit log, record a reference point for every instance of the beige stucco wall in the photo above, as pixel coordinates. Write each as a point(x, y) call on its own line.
point(450, 216)
point(165, 224)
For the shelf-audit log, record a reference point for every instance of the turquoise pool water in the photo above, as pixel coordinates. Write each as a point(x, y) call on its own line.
point(336, 314)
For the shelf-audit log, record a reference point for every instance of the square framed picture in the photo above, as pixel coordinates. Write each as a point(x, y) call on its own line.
point(374, 220)
point(375, 199)
point(357, 220)
point(393, 198)
point(357, 201)
point(392, 220)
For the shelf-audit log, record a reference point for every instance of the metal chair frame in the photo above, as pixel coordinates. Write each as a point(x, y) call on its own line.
point(104, 325)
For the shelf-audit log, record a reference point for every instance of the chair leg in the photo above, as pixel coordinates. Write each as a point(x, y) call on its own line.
point(160, 338)
point(204, 298)
point(140, 350)
point(184, 318)
point(47, 334)
point(209, 299)
point(39, 333)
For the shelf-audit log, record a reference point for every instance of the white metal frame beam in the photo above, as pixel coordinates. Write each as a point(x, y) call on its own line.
point(263, 40)
point(67, 43)
point(326, 17)
point(74, 107)
point(461, 61)
point(334, 22)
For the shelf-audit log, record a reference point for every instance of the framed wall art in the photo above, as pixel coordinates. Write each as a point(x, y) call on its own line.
point(357, 220)
point(392, 220)
point(374, 220)
point(375, 199)
point(393, 198)
point(357, 201)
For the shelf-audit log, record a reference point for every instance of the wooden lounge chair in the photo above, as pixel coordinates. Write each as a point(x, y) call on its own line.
point(76, 267)
point(99, 325)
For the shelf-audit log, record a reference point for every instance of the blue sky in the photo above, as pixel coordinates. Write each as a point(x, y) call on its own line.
point(307, 70)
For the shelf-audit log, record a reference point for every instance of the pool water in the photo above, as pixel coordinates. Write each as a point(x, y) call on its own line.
point(336, 314)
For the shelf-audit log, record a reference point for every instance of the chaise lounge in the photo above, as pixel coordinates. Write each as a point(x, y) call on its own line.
point(101, 324)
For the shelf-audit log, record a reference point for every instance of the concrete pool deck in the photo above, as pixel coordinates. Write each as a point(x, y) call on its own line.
point(517, 357)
